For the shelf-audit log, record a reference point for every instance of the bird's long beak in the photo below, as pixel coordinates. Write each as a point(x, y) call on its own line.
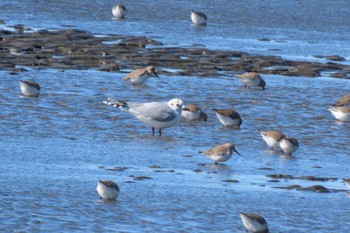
point(156, 75)
point(237, 152)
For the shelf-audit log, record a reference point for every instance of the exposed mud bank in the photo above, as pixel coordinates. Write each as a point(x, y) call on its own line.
point(76, 49)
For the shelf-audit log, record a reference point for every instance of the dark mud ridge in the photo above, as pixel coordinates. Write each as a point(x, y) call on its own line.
point(313, 188)
point(76, 49)
point(310, 178)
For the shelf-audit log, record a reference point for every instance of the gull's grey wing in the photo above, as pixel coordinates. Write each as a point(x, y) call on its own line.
point(154, 110)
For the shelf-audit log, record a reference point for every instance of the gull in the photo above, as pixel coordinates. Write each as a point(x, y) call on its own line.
point(119, 11)
point(155, 114)
point(220, 153)
point(108, 190)
point(251, 79)
point(254, 223)
point(198, 18)
point(140, 76)
point(30, 88)
point(192, 112)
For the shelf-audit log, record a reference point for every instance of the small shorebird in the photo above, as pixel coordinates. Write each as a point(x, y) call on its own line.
point(228, 117)
point(343, 100)
point(119, 11)
point(30, 88)
point(155, 114)
point(198, 18)
point(220, 153)
point(272, 138)
point(251, 79)
point(108, 190)
point(341, 113)
point(289, 145)
point(192, 112)
point(254, 223)
point(139, 76)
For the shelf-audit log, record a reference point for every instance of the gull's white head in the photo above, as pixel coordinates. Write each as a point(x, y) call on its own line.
point(176, 104)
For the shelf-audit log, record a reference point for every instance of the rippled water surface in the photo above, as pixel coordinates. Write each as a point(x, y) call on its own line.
point(295, 29)
point(54, 149)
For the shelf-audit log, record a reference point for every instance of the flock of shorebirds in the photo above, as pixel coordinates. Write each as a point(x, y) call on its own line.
point(160, 115)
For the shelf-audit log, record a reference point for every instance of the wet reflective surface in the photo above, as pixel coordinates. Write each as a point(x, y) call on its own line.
point(54, 149)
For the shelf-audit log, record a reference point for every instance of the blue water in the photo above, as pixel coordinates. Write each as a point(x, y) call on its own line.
point(295, 29)
point(54, 149)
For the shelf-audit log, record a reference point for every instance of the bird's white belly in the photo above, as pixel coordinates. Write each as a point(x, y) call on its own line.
point(251, 82)
point(341, 116)
point(157, 124)
point(107, 193)
point(288, 147)
point(227, 121)
point(253, 225)
point(220, 158)
point(271, 142)
point(118, 12)
point(140, 78)
point(29, 90)
point(191, 115)
point(198, 19)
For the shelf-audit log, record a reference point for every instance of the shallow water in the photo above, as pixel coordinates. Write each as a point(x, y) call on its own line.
point(54, 149)
point(294, 29)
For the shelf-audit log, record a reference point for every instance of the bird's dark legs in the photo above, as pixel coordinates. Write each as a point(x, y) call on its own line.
point(160, 131)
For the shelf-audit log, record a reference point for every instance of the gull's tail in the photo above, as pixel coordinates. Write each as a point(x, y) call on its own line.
point(115, 103)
